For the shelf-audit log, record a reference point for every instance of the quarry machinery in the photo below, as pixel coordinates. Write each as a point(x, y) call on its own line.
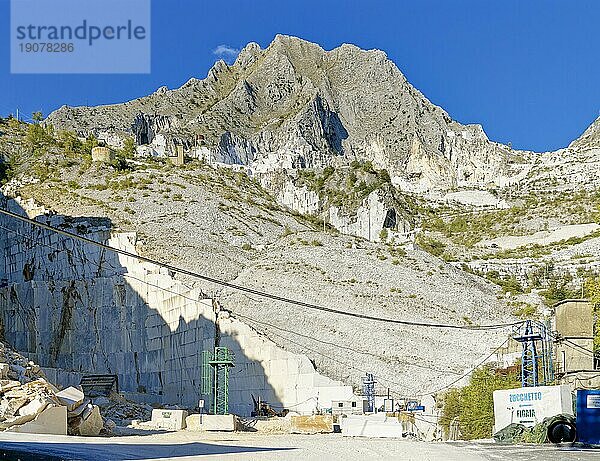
point(262, 408)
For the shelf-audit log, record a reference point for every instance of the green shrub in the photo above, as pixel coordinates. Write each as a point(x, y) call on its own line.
point(89, 144)
point(473, 405)
point(383, 235)
point(68, 140)
point(559, 288)
point(431, 245)
point(128, 150)
point(509, 284)
point(37, 137)
point(592, 292)
point(8, 168)
point(525, 311)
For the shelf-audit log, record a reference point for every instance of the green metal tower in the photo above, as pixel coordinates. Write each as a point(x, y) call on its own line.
point(215, 378)
point(206, 384)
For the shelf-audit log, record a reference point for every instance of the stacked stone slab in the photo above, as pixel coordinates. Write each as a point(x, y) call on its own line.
point(172, 420)
point(314, 424)
point(376, 426)
point(221, 423)
point(83, 417)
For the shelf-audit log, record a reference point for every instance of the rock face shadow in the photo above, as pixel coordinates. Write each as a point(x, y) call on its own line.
point(75, 308)
point(119, 451)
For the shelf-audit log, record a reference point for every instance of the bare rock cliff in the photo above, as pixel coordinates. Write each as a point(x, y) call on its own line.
point(295, 105)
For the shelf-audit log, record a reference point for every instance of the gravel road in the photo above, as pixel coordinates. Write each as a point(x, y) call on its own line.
point(247, 446)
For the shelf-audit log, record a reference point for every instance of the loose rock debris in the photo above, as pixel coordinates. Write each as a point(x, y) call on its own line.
point(25, 393)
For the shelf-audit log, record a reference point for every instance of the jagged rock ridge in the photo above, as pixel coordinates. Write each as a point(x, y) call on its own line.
point(294, 105)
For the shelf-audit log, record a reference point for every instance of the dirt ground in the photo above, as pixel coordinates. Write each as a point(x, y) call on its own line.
point(187, 446)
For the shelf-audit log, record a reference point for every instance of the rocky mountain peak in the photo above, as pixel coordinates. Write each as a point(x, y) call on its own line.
point(248, 56)
point(590, 139)
point(295, 103)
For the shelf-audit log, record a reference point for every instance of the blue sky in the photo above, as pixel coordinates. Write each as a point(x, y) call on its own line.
point(529, 71)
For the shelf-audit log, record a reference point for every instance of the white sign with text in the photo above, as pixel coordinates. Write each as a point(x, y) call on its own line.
point(530, 405)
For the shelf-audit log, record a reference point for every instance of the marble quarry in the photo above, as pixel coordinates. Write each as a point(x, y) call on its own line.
point(78, 309)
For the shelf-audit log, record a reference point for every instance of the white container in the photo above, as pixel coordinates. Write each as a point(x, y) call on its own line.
point(530, 405)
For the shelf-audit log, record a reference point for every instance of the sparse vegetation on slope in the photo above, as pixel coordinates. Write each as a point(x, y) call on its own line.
point(225, 225)
point(473, 405)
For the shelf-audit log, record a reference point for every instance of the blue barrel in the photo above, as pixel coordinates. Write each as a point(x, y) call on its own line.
point(588, 416)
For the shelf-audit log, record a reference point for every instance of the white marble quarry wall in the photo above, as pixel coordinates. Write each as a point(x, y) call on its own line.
point(103, 325)
point(300, 199)
point(368, 221)
point(273, 374)
point(72, 306)
point(31, 253)
point(75, 309)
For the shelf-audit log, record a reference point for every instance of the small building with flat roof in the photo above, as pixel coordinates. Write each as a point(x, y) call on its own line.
point(352, 406)
point(576, 363)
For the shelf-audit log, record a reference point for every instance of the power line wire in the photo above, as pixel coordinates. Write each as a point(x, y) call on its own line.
point(242, 316)
point(383, 380)
point(389, 381)
point(252, 290)
point(346, 348)
point(468, 372)
point(236, 314)
point(573, 345)
point(250, 319)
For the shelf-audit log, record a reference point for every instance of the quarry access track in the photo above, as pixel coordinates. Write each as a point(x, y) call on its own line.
point(252, 446)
